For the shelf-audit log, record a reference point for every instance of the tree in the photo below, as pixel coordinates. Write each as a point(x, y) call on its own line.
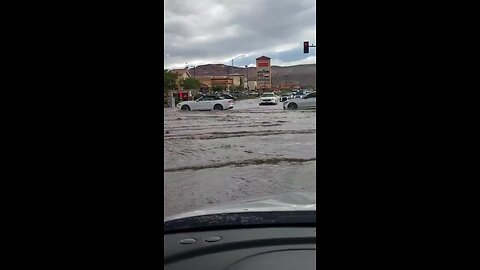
point(218, 88)
point(190, 83)
point(169, 80)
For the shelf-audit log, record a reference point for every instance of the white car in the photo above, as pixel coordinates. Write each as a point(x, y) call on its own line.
point(308, 101)
point(206, 103)
point(269, 98)
point(299, 94)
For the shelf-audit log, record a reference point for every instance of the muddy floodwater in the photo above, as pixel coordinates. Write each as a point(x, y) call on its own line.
point(248, 152)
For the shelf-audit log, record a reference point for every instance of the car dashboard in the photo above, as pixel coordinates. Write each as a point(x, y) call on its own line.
point(248, 248)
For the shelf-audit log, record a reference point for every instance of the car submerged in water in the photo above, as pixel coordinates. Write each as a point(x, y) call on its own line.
point(207, 103)
point(309, 101)
point(271, 233)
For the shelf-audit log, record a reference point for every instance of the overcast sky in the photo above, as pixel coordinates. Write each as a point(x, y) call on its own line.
point(201, 32)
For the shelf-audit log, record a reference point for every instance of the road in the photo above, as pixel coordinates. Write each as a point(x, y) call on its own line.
point(248, 152)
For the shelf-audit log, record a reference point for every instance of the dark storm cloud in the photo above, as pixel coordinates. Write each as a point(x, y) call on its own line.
point(209, 31)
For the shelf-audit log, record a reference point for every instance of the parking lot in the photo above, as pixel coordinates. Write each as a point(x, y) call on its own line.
point(250, 151)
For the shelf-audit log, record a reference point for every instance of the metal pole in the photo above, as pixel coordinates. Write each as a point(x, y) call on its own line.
point(248, 87)
point(228, 82)
point(228, 76)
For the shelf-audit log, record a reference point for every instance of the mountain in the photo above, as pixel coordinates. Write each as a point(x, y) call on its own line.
point(304, 74)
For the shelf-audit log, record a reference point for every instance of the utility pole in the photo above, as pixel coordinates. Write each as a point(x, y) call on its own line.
point(228, 82)
point(248, 88)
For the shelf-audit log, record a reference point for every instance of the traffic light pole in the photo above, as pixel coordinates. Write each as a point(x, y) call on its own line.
point(306, 46)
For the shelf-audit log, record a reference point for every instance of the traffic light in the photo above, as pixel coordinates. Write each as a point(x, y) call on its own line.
point(305, 47)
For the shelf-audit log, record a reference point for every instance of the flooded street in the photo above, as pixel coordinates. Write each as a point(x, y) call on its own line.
point(250, 151)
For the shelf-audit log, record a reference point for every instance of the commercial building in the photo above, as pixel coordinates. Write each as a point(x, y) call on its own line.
point(205, 83)
point(238, 80)
point(252, 85)
point(223, 81)
point(232, 80)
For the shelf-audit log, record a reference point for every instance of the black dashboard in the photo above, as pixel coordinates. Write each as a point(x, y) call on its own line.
point(289, 247)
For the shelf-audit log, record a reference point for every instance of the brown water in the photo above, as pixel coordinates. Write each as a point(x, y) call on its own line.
point(247, 152)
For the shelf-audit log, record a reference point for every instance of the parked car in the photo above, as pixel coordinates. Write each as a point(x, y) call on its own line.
point(308, 101)
point(299, 94)
point(206, 103)
point(284, 98)
point(269, 98)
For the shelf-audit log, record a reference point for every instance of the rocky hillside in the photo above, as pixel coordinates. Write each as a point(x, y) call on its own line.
point(304, 74)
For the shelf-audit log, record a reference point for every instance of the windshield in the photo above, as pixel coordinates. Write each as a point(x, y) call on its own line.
point(247, 145)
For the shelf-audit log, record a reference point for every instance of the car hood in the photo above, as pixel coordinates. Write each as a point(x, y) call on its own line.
point(300, 201)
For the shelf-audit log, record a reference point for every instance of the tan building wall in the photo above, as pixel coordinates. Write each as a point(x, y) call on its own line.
point(252, 85)
point(238, 79)
point(206, 80)
point(222, 81)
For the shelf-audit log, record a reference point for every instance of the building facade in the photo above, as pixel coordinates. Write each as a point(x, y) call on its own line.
point(264, 70)
point(224, 81)
point(238, 80)
point(252, 85)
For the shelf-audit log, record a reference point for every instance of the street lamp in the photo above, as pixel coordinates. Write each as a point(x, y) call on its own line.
point(194, 68)
point(186, 69)
point(234, 59)
point(228, 85)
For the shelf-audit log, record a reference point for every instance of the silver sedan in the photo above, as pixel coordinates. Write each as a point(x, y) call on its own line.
point(308, 101)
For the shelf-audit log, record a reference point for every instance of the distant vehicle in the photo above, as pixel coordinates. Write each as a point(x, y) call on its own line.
point(284, 98)
point(227, 96)
point(298, 95)
point(308, 101)
point(206, 103)
point(269, 98)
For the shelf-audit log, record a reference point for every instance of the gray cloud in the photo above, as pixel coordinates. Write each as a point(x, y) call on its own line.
point(212, 31)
